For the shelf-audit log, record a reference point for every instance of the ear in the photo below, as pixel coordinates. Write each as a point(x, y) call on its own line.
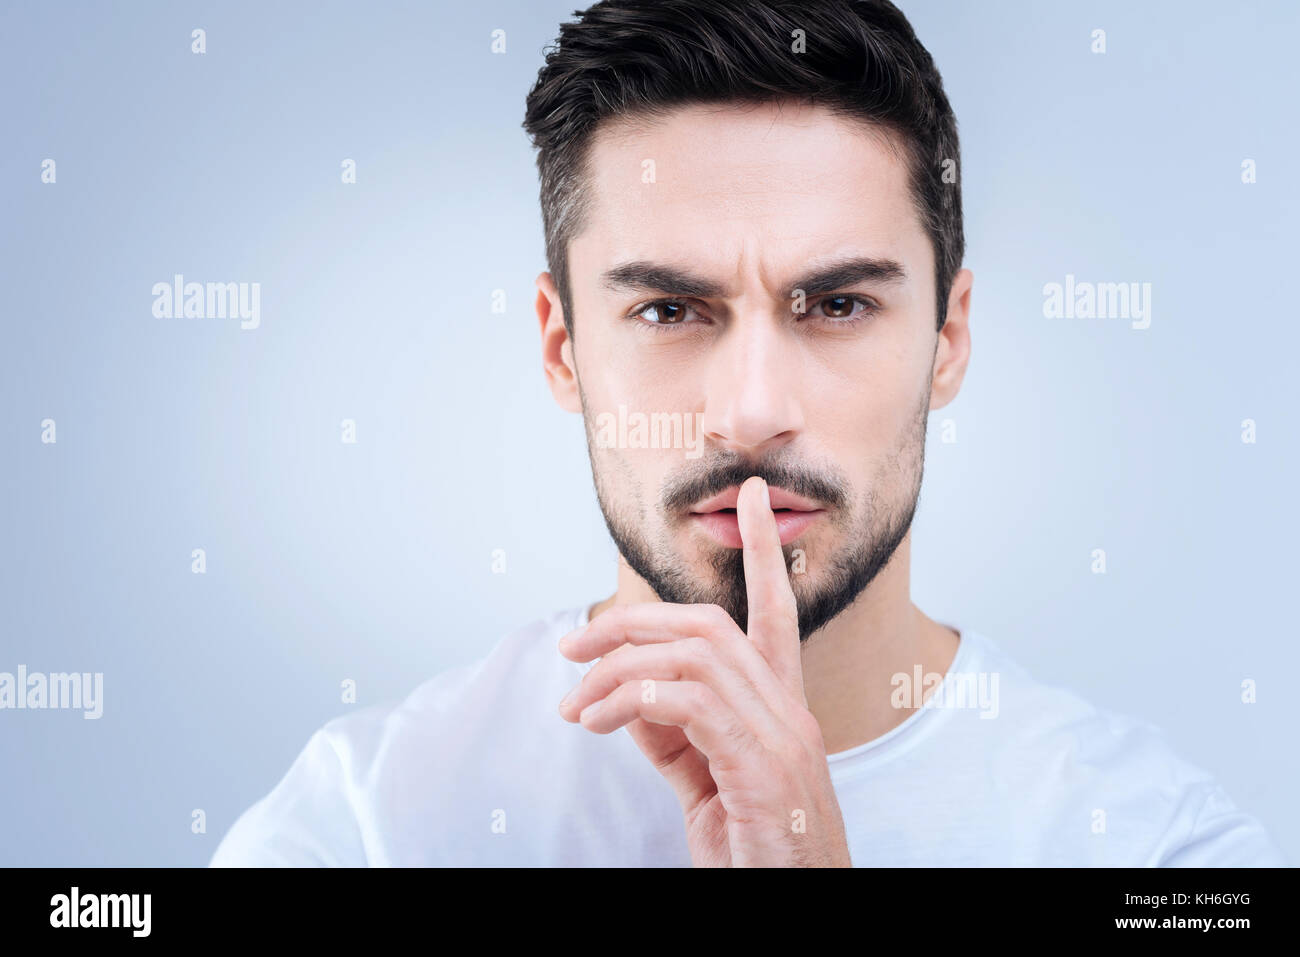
point(557, 348)
point(952, 351)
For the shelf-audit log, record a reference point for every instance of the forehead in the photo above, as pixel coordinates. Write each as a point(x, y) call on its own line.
point(728, 187)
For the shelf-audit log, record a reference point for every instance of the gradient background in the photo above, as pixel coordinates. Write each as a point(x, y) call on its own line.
point(372, 561)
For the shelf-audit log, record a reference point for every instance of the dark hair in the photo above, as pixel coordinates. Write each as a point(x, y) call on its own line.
point(626, 57)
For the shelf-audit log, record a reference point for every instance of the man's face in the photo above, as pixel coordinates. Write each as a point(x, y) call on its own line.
point(729, 212)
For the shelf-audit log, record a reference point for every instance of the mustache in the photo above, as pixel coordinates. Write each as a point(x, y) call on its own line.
point(681, 493)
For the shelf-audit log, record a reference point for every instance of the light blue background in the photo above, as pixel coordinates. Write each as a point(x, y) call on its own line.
point(372, 561)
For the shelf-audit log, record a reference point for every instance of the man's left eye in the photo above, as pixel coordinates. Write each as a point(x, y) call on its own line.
point(840, 308)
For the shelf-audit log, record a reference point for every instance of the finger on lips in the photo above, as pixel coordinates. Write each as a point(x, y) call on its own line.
point(773, 612)
point(773, 626)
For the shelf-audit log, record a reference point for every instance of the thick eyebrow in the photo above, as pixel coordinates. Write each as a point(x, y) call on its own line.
point(849, 272)
point(673, 281)
point(653, 277)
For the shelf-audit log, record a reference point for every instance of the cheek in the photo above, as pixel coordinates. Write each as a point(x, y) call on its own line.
point(862, 409)
point(639, 381)
point(629, 476)
point(862, 416)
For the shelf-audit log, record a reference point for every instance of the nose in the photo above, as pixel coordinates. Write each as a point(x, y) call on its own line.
point(752, 402)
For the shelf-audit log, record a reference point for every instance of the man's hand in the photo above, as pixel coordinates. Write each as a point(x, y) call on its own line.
point(721, 714)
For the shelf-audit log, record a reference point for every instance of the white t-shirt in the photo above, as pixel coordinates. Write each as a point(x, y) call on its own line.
point(477, 768)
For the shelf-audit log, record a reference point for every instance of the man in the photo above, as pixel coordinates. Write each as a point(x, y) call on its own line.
point(755, 298)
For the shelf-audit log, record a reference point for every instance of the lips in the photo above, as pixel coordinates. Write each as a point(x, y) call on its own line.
point(716, 516)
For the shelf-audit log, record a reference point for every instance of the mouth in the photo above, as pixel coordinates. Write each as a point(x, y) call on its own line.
point(717, 517)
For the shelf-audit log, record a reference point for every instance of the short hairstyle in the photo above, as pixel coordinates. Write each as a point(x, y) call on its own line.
point(861, 59)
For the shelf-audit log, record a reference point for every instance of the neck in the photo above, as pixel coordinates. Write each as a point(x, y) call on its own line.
point(849, 663)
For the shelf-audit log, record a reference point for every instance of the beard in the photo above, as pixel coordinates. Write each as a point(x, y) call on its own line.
point(868, 542)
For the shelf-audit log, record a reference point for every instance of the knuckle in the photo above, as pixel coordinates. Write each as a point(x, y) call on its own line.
point(737, 734)
point(698, 648)
point(700, 697)
point(808, 727)
point(790, 752)
point(717, 619)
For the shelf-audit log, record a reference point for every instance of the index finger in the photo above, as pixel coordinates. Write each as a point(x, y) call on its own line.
point(773, 623)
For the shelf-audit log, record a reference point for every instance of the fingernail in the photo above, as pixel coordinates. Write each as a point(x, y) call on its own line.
point(767, 496)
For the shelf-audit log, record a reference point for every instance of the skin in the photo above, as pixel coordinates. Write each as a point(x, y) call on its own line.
point(753, 198)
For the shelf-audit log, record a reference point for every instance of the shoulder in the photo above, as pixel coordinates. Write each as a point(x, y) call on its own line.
point(323, 811)
point(1111, 778)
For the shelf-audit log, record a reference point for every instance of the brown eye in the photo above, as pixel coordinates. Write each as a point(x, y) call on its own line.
point(664, 313)
point(838, 307)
